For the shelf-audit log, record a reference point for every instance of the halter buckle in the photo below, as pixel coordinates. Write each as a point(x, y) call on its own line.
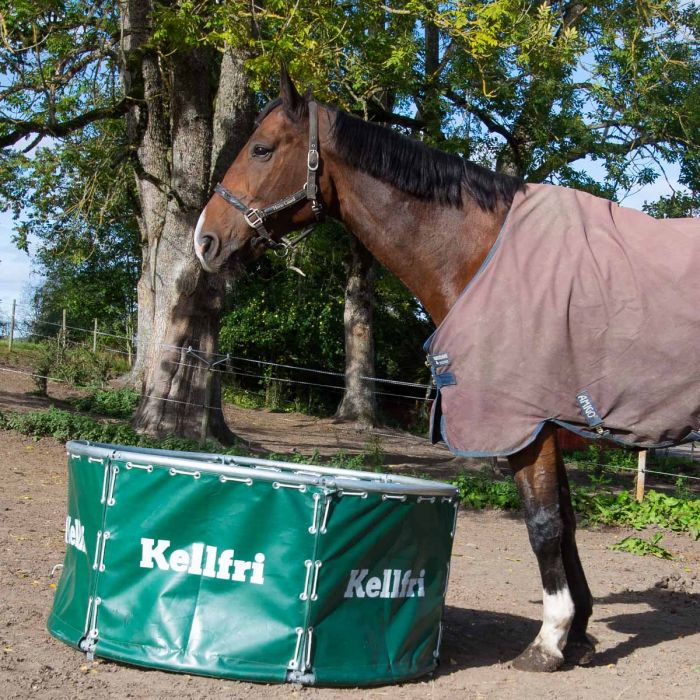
point(253, 218)
point(312, 160)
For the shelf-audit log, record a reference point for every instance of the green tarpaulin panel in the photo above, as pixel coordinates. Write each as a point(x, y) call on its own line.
point(252, 569)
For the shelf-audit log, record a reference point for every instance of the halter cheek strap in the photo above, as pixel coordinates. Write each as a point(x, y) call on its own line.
point(255, 217)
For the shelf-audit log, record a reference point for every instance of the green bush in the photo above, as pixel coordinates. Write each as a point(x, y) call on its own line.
point(117, 403)
point(81, 367)
point(74, 365)
point(42, 365)
point(670, 512)
point(482, 491)
point(64, 425)
point(595, 505)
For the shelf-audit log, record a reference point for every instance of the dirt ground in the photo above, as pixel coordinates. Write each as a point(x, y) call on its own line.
point(646, 618)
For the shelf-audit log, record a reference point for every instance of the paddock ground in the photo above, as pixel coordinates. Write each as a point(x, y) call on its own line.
point(646, 619)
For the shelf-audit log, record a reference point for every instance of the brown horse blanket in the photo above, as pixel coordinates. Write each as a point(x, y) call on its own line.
point(584, 313)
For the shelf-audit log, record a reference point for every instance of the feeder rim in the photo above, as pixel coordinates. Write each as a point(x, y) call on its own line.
point(331, 478)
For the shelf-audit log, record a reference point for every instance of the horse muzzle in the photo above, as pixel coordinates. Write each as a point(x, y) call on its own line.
point(206, 248)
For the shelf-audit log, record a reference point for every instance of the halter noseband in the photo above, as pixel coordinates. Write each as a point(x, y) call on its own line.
point(255, 218)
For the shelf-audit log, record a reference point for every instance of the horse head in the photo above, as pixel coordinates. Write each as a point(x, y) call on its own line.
point(275, 185)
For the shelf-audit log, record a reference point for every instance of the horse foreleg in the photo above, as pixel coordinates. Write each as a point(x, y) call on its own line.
point(579, 646)
point(536, 474)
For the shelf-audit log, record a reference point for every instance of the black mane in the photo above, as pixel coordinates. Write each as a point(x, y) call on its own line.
point(417, 169)
point(409, 165)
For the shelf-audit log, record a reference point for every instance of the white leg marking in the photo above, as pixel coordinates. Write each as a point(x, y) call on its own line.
point(556, 620)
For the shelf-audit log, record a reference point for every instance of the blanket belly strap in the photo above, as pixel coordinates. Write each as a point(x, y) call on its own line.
point(445, 379)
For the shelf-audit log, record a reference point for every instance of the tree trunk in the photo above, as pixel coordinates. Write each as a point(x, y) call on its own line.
point(195, 114)
point(359, 404)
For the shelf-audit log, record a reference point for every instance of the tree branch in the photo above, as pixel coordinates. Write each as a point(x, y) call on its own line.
point(25, 128)
point(622, 148)
point(489, 122)
point(384, 115)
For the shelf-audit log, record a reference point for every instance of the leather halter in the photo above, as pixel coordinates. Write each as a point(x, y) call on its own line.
point(255, 217)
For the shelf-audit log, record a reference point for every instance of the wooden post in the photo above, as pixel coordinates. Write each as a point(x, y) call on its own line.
point(12, 324)
point(63, 330)
point(94, 337)
point(641, 472)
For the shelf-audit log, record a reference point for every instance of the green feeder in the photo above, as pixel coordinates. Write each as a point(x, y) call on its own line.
point(252, 569)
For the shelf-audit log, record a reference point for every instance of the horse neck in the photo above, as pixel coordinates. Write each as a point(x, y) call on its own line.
point(432, 248)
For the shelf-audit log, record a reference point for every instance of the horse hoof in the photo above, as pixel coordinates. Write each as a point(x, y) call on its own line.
point(537, 659)
point(579, 652)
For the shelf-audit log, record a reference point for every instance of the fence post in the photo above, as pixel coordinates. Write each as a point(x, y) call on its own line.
point(641, 472)
point(63, 330)
point(12, 324)
point(94, 337)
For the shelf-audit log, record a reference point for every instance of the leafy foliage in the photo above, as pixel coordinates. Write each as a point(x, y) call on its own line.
point(72, 364)
point(482, 491)
point(66, 425)
point(530, 87)
point(642, 547)
point(595, 505)
point(608, 508)
point(116, 403)
point(278, 315)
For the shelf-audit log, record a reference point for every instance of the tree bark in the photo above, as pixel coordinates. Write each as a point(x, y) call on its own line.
point(195, 112)
point(359, 404)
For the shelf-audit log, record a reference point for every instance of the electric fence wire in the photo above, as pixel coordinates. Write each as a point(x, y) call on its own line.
point(241, 373)
point(237, 358)
point(148, 396)
point(219, 408)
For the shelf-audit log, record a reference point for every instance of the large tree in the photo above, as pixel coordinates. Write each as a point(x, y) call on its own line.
point(70, 65)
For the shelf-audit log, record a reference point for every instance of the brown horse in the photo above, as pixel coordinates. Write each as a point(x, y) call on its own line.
point(431, 219)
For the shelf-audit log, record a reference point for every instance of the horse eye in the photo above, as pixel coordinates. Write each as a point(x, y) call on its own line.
point(260, 150)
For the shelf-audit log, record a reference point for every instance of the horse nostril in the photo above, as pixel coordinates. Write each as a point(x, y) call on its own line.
point(207, 245)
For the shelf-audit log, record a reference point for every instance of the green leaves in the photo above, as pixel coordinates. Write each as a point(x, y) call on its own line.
point(642, 547)
point(482, 491)
point(595, 505)
point(608, 508)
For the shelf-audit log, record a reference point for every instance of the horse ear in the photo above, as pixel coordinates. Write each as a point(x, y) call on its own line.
point(294, 104)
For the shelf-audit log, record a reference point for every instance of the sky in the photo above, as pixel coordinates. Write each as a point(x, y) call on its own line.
point(16, 268)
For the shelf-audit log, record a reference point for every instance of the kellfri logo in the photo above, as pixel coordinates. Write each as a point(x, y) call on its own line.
point(394, 583)
point(201, 560)
point(75, 533)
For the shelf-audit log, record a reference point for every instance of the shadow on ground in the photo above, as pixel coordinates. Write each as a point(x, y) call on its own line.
point(673, 615)
point(474, 638)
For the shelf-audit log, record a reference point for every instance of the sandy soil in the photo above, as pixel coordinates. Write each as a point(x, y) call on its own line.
point(646, 619)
